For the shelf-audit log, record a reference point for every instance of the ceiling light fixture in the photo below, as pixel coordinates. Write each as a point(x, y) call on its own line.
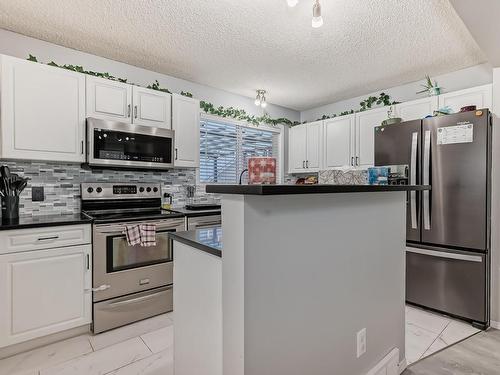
point(260, 99)
point(292, 3)
point(317, 20)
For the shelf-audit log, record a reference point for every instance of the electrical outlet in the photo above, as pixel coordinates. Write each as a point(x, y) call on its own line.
point(361, 342)
point(37, 194)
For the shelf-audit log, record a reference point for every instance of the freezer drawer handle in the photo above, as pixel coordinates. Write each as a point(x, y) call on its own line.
point(413, 179)
point(426, 179)
point(440, 254)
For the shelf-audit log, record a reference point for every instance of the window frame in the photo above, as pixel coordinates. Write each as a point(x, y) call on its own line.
point(279, 130)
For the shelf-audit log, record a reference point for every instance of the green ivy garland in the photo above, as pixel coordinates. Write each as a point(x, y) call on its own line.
point(231, 112)
point(365, 105)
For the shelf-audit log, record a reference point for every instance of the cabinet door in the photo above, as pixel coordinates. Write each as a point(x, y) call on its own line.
point(43, 112)
point(186, 124)
point(337, 142)
point(365, 139)
point(44, 292)
point(480, 96)
point(152, 107)
point(314, 147)
point(417, 109)
point(297, 148)
point(109, 100)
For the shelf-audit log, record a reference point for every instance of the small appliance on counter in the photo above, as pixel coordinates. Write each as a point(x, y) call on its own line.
point(11, 186)
point(261, 170)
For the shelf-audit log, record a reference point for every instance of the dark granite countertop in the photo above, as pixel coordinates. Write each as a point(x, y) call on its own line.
point(308, 189)
point(44, 221)
point(205, 239)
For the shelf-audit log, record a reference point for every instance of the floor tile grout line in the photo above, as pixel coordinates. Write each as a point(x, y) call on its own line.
point(147, 346)
point(437, 337)
point(91, 345)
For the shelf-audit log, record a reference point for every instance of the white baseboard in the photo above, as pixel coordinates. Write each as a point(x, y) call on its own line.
point(402, 365)
point(494, 324)
point(387, 366)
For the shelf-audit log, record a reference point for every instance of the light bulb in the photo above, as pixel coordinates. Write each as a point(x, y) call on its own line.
point(263, 104)
point(257, 101)
point(317, 22)
point(292, 3)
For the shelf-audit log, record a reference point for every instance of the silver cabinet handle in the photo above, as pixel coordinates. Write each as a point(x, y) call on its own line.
point(176, 154)
point(441, 254)
point(128, 110)
point(135, 111)
point(352, 161)
point(357, 160)
point(48, 238)
point(99, 288)
point(303, 164)
point(82, 147)
point(426, 179)
point(307, 163)
point(413, 179)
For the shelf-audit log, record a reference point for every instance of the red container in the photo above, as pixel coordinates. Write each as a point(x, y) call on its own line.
point(261, 170)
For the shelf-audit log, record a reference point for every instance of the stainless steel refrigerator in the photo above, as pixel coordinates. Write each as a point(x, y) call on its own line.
point(448, 227)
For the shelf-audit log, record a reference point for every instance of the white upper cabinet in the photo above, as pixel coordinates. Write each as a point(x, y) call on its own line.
point(152, 107)
point(109, 100)
point(480, 96)
point(365, 130)
point(338, 141)
point(42, 112)
point(304, 147)
point(297, 148)
point(44, 292)
point(186, 124)
point(417, 109)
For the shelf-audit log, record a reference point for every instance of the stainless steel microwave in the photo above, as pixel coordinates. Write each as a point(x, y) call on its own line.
point(118, 145)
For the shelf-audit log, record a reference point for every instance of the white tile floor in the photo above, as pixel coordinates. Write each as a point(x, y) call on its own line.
point(146, 348)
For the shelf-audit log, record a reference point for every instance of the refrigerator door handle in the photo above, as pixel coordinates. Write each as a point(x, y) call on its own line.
point(413, 179)
point(440, 254)
point(426, 179)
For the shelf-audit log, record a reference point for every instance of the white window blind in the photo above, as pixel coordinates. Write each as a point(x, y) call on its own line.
point(226, 147)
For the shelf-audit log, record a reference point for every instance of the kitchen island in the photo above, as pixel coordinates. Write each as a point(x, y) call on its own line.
point(302, 271)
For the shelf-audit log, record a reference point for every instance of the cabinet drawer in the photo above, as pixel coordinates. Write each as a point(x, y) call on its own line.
point(18, 240)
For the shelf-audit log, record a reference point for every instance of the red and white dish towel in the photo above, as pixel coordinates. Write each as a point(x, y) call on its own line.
point(141, 234)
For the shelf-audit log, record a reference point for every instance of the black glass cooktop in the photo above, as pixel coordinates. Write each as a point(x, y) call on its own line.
point(131, 215)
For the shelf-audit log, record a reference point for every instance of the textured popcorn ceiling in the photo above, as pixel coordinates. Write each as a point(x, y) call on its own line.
point(243, 45)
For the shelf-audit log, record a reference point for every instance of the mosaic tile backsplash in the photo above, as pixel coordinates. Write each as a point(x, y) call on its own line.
point(62, 181)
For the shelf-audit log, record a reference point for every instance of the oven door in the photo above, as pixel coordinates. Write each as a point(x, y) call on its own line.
point(111, 143)
point(121, 269)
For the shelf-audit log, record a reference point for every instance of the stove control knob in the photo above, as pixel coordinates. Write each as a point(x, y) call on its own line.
point(148, 189)
point(99, 190)
point(155, 189)
point(90, 190)
point(141, 189)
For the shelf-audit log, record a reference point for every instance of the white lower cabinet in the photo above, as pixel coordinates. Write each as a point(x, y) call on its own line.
point(44, 292)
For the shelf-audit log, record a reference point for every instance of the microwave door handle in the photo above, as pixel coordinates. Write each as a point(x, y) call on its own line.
point(413, 179)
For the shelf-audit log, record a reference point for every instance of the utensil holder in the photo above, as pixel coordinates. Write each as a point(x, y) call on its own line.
point(10, 207)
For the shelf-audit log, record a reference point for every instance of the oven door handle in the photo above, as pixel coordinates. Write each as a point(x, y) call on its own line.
point(159, 227)
point(118, 304)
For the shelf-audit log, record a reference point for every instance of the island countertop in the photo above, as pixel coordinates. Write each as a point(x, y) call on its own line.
point(308, 189)
point(208, 239)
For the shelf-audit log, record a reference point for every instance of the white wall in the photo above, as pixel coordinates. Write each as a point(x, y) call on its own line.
point(21, 46)
point(461, 79)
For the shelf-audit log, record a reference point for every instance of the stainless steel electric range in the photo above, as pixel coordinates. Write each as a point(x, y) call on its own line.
point(130, 283)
